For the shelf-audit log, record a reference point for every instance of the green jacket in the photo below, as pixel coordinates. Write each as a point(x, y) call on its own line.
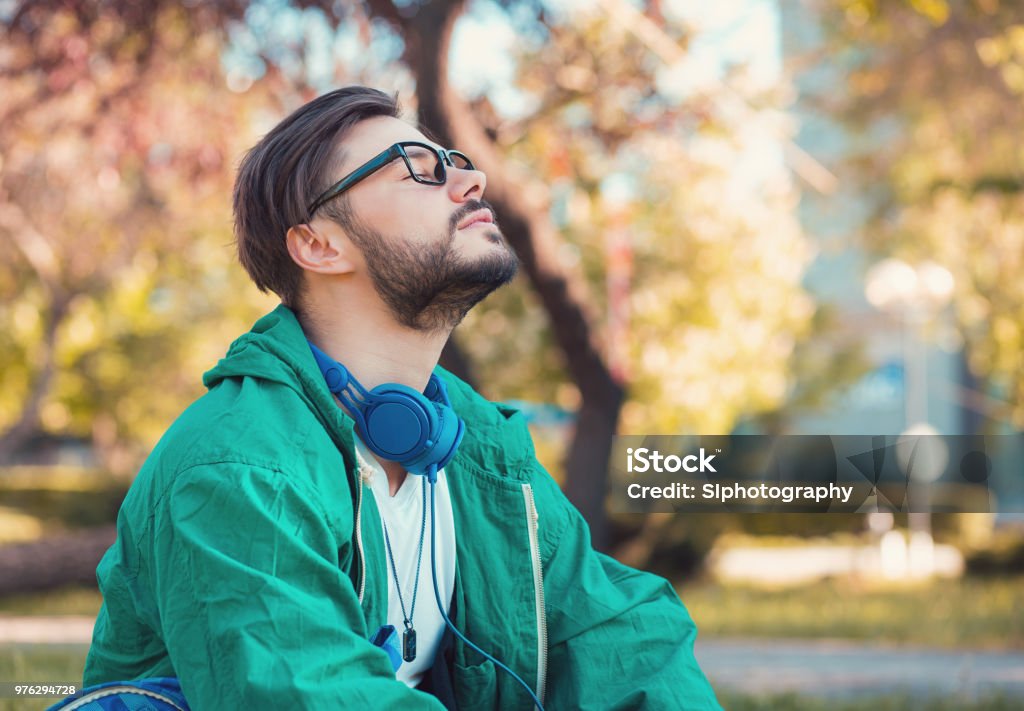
point(249, 563)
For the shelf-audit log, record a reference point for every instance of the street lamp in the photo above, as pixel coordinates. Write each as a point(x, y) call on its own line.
point(914, 294)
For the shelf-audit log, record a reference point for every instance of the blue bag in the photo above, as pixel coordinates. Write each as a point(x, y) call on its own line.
point(164, 693)
point(154, 694)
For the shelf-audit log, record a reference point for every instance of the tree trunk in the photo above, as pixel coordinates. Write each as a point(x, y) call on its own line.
point(55, 561)
point(523, 211)
point(27, 423)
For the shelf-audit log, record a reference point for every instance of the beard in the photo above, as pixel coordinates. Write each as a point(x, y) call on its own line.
point(429, 287)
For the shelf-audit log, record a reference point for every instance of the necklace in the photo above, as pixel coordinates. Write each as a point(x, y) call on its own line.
point(409, 634)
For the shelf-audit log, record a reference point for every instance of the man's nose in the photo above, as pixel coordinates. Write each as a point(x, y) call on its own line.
point(464, 184)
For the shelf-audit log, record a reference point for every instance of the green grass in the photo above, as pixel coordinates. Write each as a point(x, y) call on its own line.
point(888, 702)
point(64, 664)
point(42, 664)
point(40, 500)
point(973, 612)
point(979, 613)
point(70, 601)
point(45, 663)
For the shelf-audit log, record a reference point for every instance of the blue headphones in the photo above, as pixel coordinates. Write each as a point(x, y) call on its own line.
point(420, 431)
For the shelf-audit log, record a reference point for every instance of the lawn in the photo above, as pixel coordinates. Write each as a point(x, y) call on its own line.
point(65, 664)
point(44, 662)
point(973, 612)
point(54, 664)
point(982, 613)
point(72, 601)
point(888, 702)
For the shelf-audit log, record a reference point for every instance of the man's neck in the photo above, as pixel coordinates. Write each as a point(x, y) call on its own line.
point(376, 349)
point(396, 474)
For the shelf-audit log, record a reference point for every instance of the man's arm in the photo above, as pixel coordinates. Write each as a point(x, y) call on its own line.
point(254, 609)
point(618, 638)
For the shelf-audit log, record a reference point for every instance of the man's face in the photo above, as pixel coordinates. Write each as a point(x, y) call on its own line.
point(432, 251)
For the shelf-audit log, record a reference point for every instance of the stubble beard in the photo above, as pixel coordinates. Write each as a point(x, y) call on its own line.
point(428, 287)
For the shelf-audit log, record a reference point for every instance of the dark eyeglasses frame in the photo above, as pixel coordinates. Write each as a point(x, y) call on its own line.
point(444, 158)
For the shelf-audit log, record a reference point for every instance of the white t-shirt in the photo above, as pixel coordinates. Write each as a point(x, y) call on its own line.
point(403, 516)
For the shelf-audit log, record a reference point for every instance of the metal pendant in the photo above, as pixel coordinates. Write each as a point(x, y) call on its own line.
point(409, 644)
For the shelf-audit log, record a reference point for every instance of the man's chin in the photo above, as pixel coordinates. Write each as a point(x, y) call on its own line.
point(495, 237)
point(486, 232)
point(494, 260)
point(482, 240)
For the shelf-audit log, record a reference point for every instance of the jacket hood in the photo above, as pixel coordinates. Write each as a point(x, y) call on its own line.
point(276, 350)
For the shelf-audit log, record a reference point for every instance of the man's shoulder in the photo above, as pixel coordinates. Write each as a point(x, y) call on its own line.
point(242, 417)
point(242, 422)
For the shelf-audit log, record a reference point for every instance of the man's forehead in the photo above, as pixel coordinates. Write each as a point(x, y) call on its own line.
point(368, 138)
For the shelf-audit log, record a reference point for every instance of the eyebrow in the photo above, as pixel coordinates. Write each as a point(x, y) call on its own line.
point(419, 152)
point(414, 153)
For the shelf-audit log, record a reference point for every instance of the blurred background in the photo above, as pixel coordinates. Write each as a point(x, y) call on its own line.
point(766, 216)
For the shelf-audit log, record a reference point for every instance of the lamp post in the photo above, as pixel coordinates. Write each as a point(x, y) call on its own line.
point(914, 294)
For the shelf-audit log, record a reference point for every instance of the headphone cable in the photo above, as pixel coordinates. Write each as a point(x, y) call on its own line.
point(440, 605)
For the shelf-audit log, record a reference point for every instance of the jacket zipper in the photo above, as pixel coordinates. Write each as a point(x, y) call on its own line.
point(532, 519)
point(111, 690)
point(359, 535)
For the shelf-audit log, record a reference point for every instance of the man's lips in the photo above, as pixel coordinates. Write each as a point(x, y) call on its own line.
point(482, 215)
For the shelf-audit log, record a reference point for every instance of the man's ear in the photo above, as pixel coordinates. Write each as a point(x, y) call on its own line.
point(317, 250)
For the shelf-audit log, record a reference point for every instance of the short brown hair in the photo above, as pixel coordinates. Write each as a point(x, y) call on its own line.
point(282, 174)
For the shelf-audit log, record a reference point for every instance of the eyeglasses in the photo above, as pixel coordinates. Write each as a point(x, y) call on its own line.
point(426, 165)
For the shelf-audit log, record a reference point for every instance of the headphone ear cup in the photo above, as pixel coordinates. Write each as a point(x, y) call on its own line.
point(400, 422)
point(450, 435)
point(445, 440)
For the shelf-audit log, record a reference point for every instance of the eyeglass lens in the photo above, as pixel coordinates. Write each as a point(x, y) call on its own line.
point(425, 165)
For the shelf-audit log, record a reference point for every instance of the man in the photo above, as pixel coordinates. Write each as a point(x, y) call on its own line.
point(265, 547)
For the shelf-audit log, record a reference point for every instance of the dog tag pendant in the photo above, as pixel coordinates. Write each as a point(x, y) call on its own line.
point(409, 643)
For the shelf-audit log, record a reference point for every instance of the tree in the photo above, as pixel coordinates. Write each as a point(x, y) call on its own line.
point(714, 310)
point(936, 93)
point(427, 33)
point(707, 343)
point(118, 133)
